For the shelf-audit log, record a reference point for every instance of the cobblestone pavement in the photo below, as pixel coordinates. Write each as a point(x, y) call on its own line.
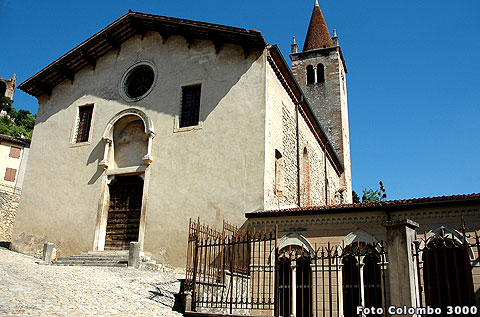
point(27, 288)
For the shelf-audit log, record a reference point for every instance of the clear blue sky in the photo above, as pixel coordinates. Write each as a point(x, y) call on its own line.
point(413, 82)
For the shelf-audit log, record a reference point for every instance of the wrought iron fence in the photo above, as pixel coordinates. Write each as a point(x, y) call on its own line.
point(246, 273)
point(223, 269)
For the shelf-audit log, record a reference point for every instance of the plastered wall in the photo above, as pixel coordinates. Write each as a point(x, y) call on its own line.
point(215, 171)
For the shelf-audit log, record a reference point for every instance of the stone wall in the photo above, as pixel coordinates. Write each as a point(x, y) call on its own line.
point(317, 172)
point(8, 211)
point(328, 100)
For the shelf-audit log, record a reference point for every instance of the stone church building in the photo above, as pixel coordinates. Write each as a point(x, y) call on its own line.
point(154, 120)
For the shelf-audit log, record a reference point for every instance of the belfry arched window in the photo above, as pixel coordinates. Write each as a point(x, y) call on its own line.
point(320, 73)
point(310, 75)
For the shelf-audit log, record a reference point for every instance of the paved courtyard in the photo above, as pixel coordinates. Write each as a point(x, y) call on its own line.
point(27, 288)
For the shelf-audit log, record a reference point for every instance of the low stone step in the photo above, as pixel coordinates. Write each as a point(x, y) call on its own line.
point(106, 264)
point(95, 257)
point(106, 252)
point(91, 260)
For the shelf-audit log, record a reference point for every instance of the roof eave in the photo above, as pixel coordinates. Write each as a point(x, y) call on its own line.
point(363, 208)
point(122, 29)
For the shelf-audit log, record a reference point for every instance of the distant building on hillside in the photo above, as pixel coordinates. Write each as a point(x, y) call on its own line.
point(7, 86)
point(13, 161)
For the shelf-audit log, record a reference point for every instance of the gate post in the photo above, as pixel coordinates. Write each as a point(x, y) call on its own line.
point(402, 276)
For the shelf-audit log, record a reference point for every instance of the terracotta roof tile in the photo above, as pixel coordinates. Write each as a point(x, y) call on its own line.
point(19, 141)
point(388, 203)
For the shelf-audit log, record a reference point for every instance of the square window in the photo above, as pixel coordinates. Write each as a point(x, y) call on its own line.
point(15, 152)
point(190, 113)
point(10, 174)
point(84, 123)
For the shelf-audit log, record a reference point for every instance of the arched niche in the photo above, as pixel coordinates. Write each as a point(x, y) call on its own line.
point(130, 134)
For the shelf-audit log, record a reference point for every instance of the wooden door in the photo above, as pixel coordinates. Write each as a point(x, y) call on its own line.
point(124, 212)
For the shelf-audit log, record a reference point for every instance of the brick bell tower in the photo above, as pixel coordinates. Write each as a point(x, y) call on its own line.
point(320, 70)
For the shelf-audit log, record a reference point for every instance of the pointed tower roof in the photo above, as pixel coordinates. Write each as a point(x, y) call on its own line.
point(317, 35)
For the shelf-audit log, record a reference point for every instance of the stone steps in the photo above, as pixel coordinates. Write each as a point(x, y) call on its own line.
point(109, 258)
point(96, 258)
point(106, 264)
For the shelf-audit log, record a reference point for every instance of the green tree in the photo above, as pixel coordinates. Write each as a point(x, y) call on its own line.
point(6, 104)
point(15, 123)
point(25, 118)
point(371, 195)
point(355, 197)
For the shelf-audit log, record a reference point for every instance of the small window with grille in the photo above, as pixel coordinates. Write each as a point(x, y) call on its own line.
point(10, 174)
point(84, 123)
point(190, 112)
point(15, 152)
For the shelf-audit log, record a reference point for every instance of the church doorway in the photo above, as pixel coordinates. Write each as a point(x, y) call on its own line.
point(123, 222)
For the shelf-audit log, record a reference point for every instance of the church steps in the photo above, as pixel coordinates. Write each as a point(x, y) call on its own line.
point(96, 258)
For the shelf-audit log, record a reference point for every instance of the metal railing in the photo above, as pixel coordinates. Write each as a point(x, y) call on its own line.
point(244, 272)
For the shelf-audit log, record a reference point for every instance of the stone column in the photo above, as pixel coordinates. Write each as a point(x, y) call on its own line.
point(104, 163)
point(361, 265)
point(294, 289)
point(47, 254)
point(134, 255)
point(148, 157)
point(402, 277)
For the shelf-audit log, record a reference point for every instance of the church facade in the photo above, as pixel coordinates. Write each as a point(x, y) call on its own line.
point(155, 120)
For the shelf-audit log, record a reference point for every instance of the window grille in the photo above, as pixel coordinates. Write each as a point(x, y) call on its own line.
point(10, 174)
point(139, 81)
point(15, 152)
point(84, 123)
point(190, 106)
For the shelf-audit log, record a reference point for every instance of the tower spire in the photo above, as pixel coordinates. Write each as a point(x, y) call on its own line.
point(318, 35)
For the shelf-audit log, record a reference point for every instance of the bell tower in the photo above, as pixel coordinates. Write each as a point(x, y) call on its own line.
point(320, 70)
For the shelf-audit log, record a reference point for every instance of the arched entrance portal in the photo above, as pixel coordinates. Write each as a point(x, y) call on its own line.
point(124, 212)
point(121, 216)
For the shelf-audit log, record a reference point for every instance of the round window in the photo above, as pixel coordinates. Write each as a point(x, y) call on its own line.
point(139, 81)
